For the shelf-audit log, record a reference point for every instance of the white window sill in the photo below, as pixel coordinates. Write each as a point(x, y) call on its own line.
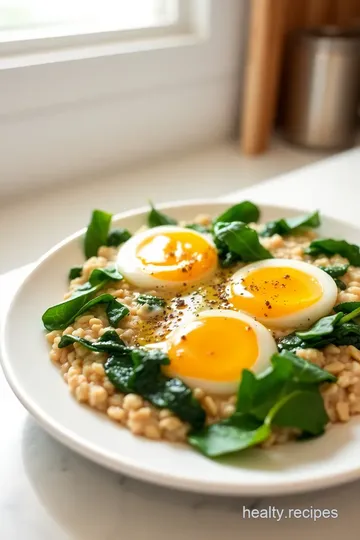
point(48, 216)
point(71, 54)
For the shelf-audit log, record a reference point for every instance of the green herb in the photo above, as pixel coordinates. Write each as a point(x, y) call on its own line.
point(246, 211)
point(102, 275)
point(61, 315)
point(334, 329)
point(117, 237)
point(199, 228)
point(321, 328)
point(340, 284)
point(97, 232)
point(286, 226)
point(335, 271)
point(151, 301)
point(75, 272)
point(240, 431)
point(156, 218)
point(287, 395)
point(141, 372)
point(236, 241)
point(347, 307)
point(329, 246)
point(108, 343)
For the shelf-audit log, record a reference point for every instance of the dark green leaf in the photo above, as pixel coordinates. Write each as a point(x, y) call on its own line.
point(241, 240)
point(116, 311)
point(111, 335)
point(97, 232)
point(340, 284)
point(287, 226)
point(237, 433)
point(347, 307)
point(336, 270)
point(59, 316)
point(75, 272)
point(117, 237)
point(302, 409)
point(246, 211)
point(257, 395)
point(151, 301)
point(329, 246)
point(335, 329)
point(156, 218)
point(140, 372)
point(322, 327)
point(120, 371)
point(287, 395)
point(300, 370)
point(198, 228)
point(109, 346)
point(100, 275)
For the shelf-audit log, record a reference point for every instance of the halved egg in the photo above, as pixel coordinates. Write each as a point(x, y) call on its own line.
point(212, 349)
point(167, 256)
point(282, 293)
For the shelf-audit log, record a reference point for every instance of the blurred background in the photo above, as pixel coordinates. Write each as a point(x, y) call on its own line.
point(108, 102)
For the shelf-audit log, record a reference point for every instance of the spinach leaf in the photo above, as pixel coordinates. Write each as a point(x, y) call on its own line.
point(246, 211)
point(257, 395)
point(140, 372)
point(334, 329)
point(107, 344)
point(321, 328)
point(329, 246)
point(156, 218)
point(151, 301)
point(347, 307)
point(290, 225)
point(97, 232)
point(287, 395)
point(240, 240)
point(101, 275)
point(75, 272)
point(302, 409)
point(240, 431)
point(198, 228)
point(59, 316)
point(117, 237)
point(335, 271)
point(340, 284)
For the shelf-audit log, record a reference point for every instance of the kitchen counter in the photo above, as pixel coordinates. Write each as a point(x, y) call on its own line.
point(49, 492)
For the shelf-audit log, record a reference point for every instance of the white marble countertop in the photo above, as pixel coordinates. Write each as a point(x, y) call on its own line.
point(49, 492)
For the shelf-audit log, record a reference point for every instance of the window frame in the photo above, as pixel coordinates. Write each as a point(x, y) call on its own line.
point(94, 43)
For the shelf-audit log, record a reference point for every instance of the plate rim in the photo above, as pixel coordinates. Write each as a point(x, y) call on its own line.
point(130, 467)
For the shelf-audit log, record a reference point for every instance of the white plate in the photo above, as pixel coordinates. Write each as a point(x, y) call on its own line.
point(328, 460)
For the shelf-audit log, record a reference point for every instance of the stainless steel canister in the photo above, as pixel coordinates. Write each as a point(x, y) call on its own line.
point(322, 88)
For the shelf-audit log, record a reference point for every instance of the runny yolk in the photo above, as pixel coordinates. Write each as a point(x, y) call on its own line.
point(275, 291)
point(213, 348)
point(176, 256)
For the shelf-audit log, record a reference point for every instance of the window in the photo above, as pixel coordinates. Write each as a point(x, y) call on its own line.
point(39, 23)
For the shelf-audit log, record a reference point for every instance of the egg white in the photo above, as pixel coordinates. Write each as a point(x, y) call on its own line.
point(303, 318)
point(136, 273)
point(266, 345)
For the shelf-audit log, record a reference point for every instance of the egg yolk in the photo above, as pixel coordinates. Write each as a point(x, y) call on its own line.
point(213, 348)
point(275, 291)
point(176, 256)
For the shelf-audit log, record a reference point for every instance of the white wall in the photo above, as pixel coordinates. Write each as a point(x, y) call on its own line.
point(53, 129)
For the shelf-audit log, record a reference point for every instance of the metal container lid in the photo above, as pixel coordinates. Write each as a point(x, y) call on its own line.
point(330, 38)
